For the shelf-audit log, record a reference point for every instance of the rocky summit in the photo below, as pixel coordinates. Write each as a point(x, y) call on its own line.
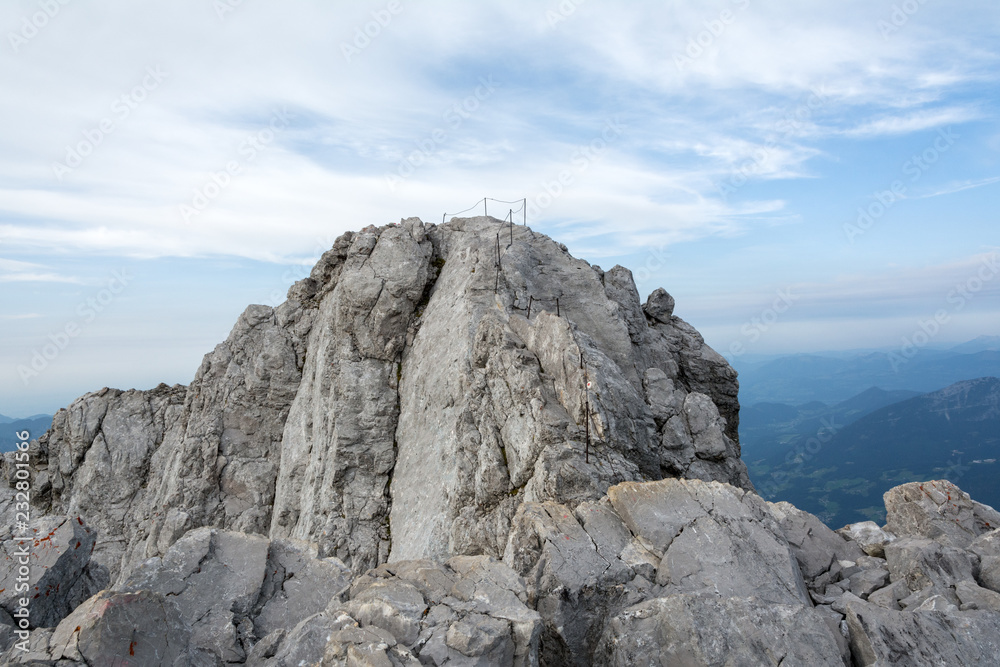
point(456, 444)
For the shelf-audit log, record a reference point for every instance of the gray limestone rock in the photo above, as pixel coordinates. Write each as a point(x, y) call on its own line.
point(698, 630)
point(882, 636)
point(575, 573)
point(815, 546)
point(297, 584)
point(987, 548)
point(937, 510)
point(975, 597)
point(659, 306)
point(711, 538)
point(113, 628)
point(869, 536)
point(54, 554)
point(338, 447)
point(926, 565)
point(405, 411)
point(469, 610)
point(866, 582)
point(214, 577)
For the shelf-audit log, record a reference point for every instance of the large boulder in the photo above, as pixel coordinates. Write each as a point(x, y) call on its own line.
point(48, 563)
point(987, 548)
point(702, 630)
point(937, 510)
point(882, 636)
point(711, 538)
point(646, 540)
point(113, 628)
point(928, 568)
point(868, 536)
point(214, 577)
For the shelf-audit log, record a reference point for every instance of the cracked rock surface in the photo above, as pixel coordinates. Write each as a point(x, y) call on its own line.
point(402, 403)
point(457, 444)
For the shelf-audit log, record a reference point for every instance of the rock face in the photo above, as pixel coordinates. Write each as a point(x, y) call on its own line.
point(402, 404)
point(459, 445)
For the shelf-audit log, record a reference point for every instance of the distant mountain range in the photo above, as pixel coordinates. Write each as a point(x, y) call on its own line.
point(35, 425)
point(831, 378)
point(837, 461)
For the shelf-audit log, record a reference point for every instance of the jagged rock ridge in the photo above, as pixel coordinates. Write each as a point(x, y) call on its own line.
point(400, 466)
point(397, 407)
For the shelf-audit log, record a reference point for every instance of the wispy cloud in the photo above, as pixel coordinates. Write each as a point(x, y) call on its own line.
point(959, 186)
point(914, 122)
point(12, 270)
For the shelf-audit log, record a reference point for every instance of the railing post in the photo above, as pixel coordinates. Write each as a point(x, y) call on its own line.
point(530, 299)
point(484, 207)
point(557, 307)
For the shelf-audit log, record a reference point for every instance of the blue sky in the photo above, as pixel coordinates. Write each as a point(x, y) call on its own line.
point(801, 176)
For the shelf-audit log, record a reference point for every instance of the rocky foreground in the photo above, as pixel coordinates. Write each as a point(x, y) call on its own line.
point(422, 457)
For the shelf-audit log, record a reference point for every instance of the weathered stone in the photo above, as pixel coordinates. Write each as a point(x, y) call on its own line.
point(304, 644)
point(882, 637)
point(214, 577)
point(55, 552)
point(866, 582)
point(296, 585)
point(815, 546)
point(659, 306)
point(698, 630)
point(976, 597)
point(366, 647)
point(121, 628)
point(937, 510)
point(925, 564)
point(868, 536)
point(711, 537)
point(469, 610)
point(574, 573)
point(889, 596)
point(987, 547)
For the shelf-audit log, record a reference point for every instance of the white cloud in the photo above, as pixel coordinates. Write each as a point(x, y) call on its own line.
point(914, 122)
point(744, 100)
